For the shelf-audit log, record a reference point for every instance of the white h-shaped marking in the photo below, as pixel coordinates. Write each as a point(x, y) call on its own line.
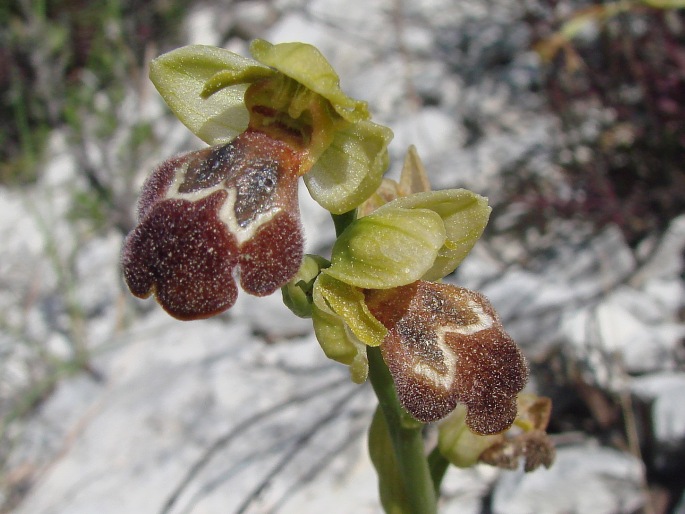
point(227, 211)
point(445, 380)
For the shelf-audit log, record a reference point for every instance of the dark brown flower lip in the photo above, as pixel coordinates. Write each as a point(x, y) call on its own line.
point(181, 253)
point(210, 216)
point(446, 345)
point(258, 172)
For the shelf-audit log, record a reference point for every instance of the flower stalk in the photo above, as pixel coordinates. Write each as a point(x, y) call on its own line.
point(406, 436)
point(416, 493)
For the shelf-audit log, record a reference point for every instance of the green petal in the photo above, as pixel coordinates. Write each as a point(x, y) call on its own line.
point(465, 215)
point(350, 304)
point(230, 78)
point(182, 75)
point(336, 339)
point(389, 248)
point(305, 64)
point(351, 168)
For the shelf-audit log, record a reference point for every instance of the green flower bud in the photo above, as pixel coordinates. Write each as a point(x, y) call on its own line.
point(391, 487)
point(297, 294)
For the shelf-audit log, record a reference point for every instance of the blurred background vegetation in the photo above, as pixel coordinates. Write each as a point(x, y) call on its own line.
point(66, 64)
point(614, 74)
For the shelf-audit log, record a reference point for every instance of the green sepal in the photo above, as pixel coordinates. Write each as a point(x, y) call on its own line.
point(389, 248)
point(393, 495)
point(309, 67)
point(182, 75)
point(458, 444)
point(351, 168)
point(464, 215)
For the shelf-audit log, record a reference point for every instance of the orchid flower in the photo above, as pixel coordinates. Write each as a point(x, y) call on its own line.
point(230, 211)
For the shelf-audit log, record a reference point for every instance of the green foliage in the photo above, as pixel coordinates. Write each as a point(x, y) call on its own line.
point(57, 56)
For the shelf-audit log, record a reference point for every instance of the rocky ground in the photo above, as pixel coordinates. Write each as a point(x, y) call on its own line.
point(109, 405)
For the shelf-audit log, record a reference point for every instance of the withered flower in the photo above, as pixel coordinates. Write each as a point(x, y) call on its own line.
point(526, 440)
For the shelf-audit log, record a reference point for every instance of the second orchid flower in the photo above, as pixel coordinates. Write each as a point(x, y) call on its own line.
point(442, 344)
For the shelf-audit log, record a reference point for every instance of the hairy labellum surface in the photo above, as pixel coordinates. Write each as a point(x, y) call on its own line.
point(212, 215)
point(446, 345)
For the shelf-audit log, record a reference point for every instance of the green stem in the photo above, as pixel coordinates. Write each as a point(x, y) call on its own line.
point(407, 439)
point(341, 221)
point(438, 467)
point(405, 432)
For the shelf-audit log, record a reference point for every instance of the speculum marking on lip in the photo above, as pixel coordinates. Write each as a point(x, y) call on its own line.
point(255, 186)
point(445, 345)
point(209, 168)
point(253, 165)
